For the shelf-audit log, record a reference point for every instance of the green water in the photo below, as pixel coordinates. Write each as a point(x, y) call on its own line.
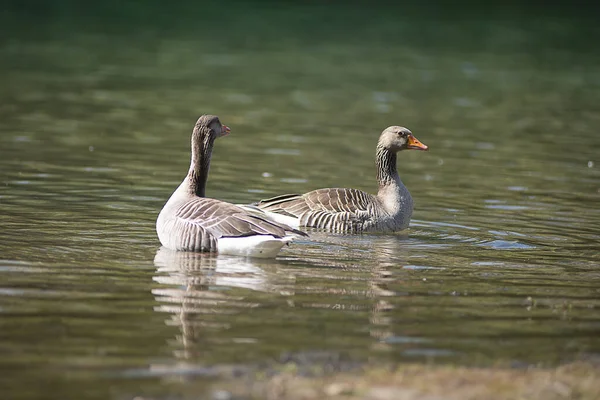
point(500, 264)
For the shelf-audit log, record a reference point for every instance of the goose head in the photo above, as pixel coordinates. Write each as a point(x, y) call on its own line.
point(209, 125)
point(396, 138)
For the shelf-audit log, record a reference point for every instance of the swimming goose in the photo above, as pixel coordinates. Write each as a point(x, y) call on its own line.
point(351, 210)
point(189, 221)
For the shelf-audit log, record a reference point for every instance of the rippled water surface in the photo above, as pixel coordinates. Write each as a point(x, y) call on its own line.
point(500, 264)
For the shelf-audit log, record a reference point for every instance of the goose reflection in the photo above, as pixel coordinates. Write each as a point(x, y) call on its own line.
point(202, 272)
point(221, 303)
point(381, 262)
point(201, 291)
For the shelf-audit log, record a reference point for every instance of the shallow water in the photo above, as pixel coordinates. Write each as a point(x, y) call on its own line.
point(500, 263)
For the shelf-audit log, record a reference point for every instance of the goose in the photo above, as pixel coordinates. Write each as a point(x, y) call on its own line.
point(350, 210)
point(189, 221)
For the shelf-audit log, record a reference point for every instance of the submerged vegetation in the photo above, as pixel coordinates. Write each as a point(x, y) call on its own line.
point(579, 380)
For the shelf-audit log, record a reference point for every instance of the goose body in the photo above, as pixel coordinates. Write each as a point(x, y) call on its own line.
point(352, 210)
point(189, 221)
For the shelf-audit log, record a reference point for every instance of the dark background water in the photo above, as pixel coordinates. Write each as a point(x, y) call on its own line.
point(97, 101)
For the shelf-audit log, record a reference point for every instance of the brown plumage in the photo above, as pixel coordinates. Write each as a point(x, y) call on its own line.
point(352, 210)
point(191, 222)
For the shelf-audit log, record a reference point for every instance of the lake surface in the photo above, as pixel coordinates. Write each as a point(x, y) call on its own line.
point(500, 264)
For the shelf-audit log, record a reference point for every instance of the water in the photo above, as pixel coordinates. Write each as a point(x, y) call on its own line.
point(500, 263)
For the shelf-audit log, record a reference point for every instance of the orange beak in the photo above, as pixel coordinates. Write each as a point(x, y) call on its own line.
point(414, 144)
point(225, 129)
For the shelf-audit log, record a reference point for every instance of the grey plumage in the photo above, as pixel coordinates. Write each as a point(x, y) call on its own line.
point(191, 222)
point(352, 210)
point(334, 209)
point(199, 222)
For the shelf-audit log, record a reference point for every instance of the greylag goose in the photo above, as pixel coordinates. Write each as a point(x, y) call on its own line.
point(351, 210)
point(189, 221)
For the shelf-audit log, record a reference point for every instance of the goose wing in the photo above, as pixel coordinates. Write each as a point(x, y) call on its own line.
point(339, 200)
point(217, 219)
point(339, 209)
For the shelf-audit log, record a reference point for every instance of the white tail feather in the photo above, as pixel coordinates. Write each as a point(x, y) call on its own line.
point(259, 246)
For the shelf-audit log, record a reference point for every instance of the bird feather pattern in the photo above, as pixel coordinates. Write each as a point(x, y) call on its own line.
point(337, 209)
point(206, 220)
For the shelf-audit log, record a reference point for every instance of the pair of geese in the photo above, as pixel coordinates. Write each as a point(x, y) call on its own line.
point(189, 221)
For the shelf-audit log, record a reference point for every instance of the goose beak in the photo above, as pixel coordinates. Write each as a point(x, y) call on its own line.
point(414, 144)
point(225, 130)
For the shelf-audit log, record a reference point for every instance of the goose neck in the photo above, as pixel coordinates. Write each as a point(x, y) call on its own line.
point(202, 145)
point(387, 172)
